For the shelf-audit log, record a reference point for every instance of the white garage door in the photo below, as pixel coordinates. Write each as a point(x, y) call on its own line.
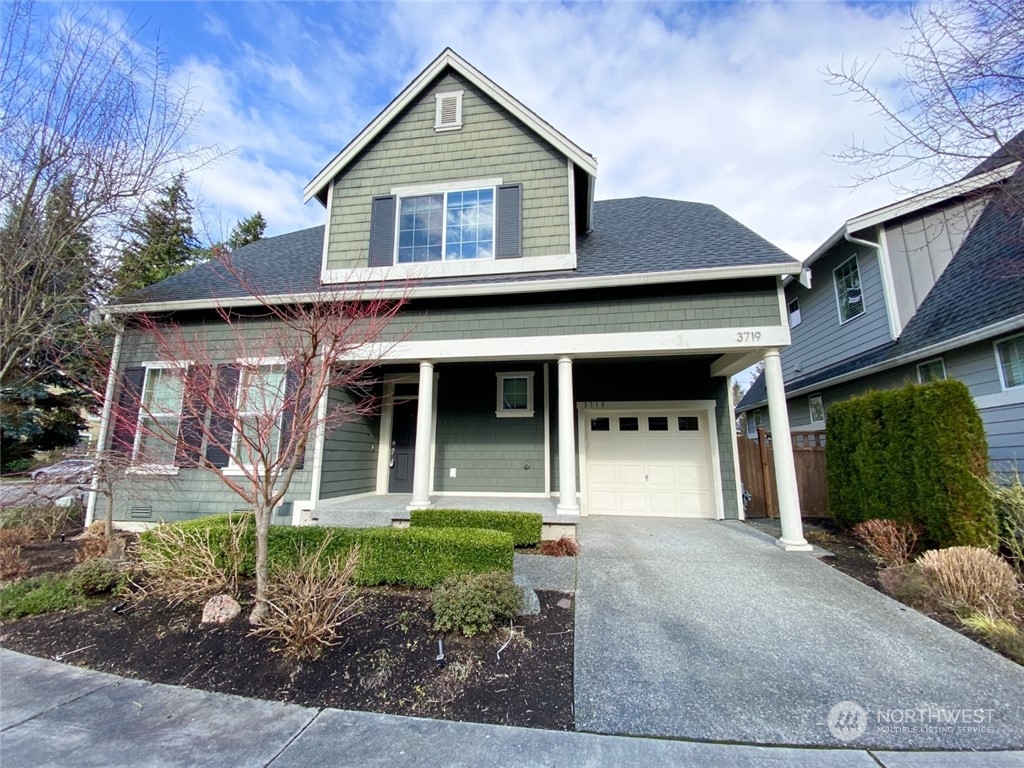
point(655, 463)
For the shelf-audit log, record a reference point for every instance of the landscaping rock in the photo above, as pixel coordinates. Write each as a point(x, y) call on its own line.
point(531, 603)
point(565, 603)
point(220, 609)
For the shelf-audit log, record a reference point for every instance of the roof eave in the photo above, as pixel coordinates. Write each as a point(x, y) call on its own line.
point(447, 58)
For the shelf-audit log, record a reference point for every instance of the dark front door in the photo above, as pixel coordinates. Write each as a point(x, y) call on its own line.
point(403, 446)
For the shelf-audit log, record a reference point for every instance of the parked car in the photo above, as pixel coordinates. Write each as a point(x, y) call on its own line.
point(67, 471)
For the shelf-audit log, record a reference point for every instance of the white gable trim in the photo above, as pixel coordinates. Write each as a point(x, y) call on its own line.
point(448, 58)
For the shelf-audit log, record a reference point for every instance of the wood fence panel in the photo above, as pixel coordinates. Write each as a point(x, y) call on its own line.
point(757, 466)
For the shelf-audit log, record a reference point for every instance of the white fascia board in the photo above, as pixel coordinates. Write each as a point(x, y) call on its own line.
point(988, 332)
point(931, 197)
point(591, 345)
point(447, 58)
point(347, 292)
point(416, 272)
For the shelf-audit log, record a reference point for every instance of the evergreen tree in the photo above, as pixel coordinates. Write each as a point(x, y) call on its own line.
point(163, 242)
point(247, 231)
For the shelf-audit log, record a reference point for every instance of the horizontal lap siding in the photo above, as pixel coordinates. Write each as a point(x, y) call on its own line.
point(1004, 427)
point(350, 455)
point(491, 144)
point(820, 341)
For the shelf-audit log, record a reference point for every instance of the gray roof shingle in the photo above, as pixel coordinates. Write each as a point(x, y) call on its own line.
point(632, 235)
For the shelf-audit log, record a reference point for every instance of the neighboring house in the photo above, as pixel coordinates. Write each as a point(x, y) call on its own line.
point(931, 287)
point(555, 352)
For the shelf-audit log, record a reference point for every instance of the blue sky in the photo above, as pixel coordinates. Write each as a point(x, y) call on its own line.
point(721, 103)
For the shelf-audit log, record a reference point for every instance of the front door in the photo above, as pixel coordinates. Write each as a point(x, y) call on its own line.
point(403, 446)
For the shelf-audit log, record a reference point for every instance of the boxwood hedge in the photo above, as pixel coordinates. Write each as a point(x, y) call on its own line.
point(525, 527)
point(418, 557)
point(916, 455)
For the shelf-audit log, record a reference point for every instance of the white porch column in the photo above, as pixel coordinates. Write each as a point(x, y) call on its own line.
point(567, 504)
point(424, 418)
point(782, 447)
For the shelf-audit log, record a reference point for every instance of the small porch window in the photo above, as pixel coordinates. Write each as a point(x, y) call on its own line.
point(515, 395)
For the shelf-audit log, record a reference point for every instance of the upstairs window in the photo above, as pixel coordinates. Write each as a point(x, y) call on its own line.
point(453, 225)
point(848, 292)
point(931, 370)
point(794, 313)
point(1010, 357)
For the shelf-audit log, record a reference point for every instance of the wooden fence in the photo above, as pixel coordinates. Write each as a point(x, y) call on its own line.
point(757, 471)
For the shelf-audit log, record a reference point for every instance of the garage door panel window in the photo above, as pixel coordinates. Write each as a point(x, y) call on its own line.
point(600, 424)
point(689, 423)
point(629, 424)
point(657, 423)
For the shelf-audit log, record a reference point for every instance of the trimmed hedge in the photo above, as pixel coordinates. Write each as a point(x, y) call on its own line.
point(915, 455)
point(418, 557)
point(525, 527)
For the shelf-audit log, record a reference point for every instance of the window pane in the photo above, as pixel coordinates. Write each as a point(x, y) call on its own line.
point(157, 441)
point(847, 278)
point(163, 391)
point(1011, 360)
point(688, 424)
point(933, 370)
point(629, 424)
point(794, 313)
point(470, 223)
point(816, 408)
point(420, 224)
point(514, 394)
point(657, 423)
point(600, 424)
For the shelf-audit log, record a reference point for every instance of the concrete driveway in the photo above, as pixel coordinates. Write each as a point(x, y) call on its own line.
point(706, 630)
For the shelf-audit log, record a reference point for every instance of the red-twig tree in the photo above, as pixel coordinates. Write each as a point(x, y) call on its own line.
point(244, 391)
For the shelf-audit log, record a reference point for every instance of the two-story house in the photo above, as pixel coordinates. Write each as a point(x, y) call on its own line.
point(931, 287)
point(555, 352)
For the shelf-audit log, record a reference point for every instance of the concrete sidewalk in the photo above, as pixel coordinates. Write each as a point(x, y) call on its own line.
point(58, 715)
point(706, 630)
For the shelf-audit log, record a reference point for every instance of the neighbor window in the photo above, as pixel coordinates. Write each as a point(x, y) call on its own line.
point(515, 394)
point(756, 420)
point(1010, 357)
point(931, 370)
point(794, 313)
point(848, 293)
point(447, 226)
point(159, 417)
point(260, 401)
point(817, 409)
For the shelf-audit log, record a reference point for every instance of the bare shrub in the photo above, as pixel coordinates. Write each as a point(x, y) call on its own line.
point(184, 563)
point(972, 579)
point(891, 543)
point(17, 536)
point(1009, 503)
point(910, 586)
point(12, 566)
point(91, 547)
point(566, 546)
point(307, 604)
point(46, 520)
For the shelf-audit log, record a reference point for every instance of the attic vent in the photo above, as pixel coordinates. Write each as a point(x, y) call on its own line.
point(448, 115)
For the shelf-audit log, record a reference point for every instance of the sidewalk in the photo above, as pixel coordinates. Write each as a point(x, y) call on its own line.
point(58, 715)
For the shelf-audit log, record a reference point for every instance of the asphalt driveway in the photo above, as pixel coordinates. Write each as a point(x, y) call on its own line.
point(706, 630)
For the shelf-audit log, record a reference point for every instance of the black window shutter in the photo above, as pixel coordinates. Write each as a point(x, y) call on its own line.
point(222, 423)
point(193, 413)
point(288, 417)
point(126, 412)
point(508, 234)
point(382, 231)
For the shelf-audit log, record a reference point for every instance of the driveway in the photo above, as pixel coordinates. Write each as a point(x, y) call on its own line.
point(706, 630)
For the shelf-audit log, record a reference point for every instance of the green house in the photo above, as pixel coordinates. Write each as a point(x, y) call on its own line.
point(555, 352)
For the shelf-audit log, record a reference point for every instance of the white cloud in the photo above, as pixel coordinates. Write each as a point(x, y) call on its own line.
point(719, 103)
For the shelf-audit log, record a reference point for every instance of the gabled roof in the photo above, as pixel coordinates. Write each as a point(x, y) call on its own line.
point(981, 292)
point(634, 240)
point(447, 59)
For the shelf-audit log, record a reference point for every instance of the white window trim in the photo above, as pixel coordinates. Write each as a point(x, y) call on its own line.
point(500, 411)
point(810, 408)
point(999, 362)
point(155, 469)
point(234, 468)
point(923, 363)
point(790, 312)
point(438, 99)
point(426, 190)
point(860, 284)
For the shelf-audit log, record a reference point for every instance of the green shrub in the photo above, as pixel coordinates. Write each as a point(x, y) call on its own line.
point(525, 527)
point(41, 594)
point(1009, 503)
point(418, 557)
point(96, 576)
point(915, 455)
point(474, 604)
point(1001, 635)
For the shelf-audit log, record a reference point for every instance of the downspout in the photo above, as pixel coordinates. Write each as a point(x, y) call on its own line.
point(108, 405)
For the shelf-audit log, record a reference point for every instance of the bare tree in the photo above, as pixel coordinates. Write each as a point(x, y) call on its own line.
point(249, 391)
point(90, 117)
point(961, 93)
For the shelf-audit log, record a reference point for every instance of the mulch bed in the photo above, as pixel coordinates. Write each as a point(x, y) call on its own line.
point(385, 662)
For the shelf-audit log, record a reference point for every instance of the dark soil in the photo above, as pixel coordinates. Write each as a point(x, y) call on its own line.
point(385, 661)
